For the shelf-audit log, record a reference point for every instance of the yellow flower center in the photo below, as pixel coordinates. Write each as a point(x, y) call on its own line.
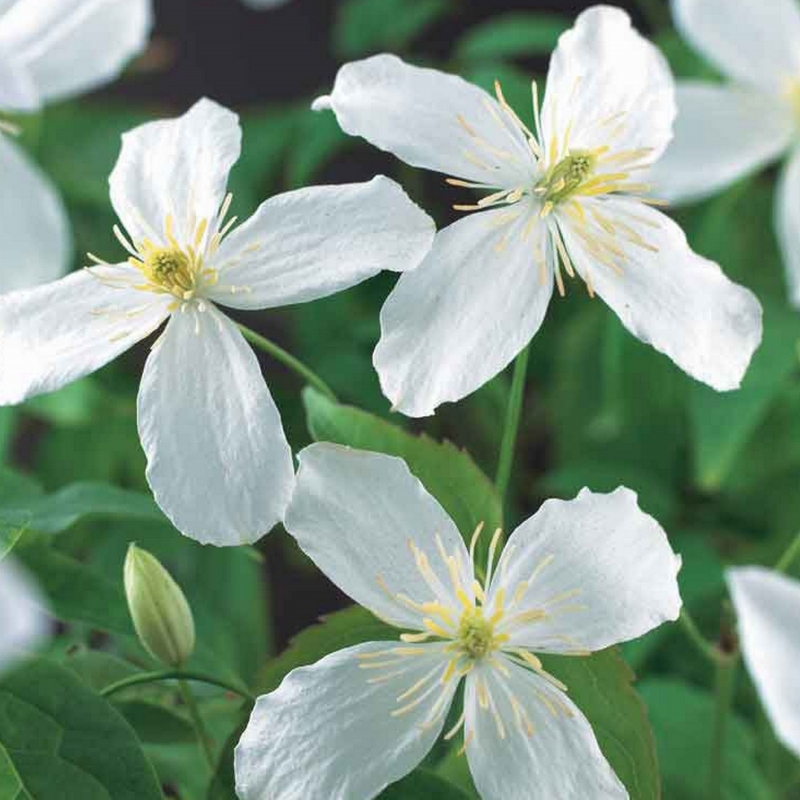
point(475, 637)
point(169, 268)
point(565, 178)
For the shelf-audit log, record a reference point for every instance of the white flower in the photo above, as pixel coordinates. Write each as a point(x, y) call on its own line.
point(576, 577)
point(51, 50)
point(564, 197)
point(23, 621)
point(724, 132)
point(218, 461)
point(768, 609)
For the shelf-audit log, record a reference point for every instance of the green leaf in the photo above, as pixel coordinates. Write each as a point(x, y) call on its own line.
point(58, 740)
point(602, 687)
point(224, 779)
point(448, 473)
point(364, 26)
point(352, 626)
point(57, 512)
point(423, 784)
point(683, 719)
point(319, 138)
point(724, 422)
point(517, 34)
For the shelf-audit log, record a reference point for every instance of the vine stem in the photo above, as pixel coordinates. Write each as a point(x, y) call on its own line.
point(725, 684)
point(704, 647)
point(197, 722)
point(180, 675)
point(287, 359)
point(506, 458)
point(789, 555)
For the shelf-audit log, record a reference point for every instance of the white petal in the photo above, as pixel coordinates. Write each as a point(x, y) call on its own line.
point(768, 608)
point(598, 566)
point(354, 513)
point(560, 758)
point(314, 242)
point(177, 168)
point(414, 113)
point(37, 244)
point(73, 46)
point(329, 732)
point(23, 621)
point(17, 90)
point(755, 43)
point(458, 319)
point(54, 334)
point(671, 298)
point(721, 135)
point(787, 223)
point(218, 461)
point(608, 86)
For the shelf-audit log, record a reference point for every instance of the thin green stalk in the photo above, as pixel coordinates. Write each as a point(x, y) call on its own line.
point(513, 413)
point(173, 674)
point(197, 722)
point(704, 647)
point(287, 359)
point(789, 556)
point(725, 683)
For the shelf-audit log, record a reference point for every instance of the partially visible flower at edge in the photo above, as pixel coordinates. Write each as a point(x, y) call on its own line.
point(218, 461)
point(726, 132)
point(52, 50)
point(565, 198)
point(767, 608)
point(23, 619)
point(577, 577)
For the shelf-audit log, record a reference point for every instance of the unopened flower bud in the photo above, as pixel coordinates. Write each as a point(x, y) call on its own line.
point(161, 614)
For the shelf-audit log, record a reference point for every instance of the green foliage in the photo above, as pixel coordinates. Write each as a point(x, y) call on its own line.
point(363, 26)
point(59, 739)
point(682, 717)
point(601, 686)
point(512, 35)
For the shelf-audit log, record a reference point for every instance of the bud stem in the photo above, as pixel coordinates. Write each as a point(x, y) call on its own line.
point(197, 722)
point(164, 675)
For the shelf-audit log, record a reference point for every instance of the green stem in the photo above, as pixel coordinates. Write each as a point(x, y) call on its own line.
point(791, 553)
point(704, 647)
point(287, 359)
point(506, 459)
point(164, 675)
point(725, 683)
point(197, 722)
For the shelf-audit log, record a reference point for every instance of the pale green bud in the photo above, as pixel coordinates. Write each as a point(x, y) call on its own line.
point(161, 614)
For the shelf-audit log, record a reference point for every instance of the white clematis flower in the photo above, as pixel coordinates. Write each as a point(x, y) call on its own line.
point(725, 132)
point(564, 197)
point(576, 577)
point(51, 50)
point(218, 461)
point(23, 622)
point(768, 609)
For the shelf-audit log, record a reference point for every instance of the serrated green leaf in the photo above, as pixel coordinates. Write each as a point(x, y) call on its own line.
point(601, 685)
point(448, 473)
point(58, 739)
point(364, 26)
point(683, 719)
point(516, 34)
point(58, 511)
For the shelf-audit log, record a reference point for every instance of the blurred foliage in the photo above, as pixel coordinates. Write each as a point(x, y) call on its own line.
point(719, 471)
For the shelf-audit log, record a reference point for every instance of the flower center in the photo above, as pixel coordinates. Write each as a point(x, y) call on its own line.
point(566, 177)
point(475, 637)
point(169, 268)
